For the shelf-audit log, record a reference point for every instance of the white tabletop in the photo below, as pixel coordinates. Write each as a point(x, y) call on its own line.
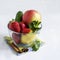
point(50, 33)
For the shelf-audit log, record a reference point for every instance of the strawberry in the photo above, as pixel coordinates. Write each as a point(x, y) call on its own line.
point(22, 25)
point(10, 26)
point(26, 30)
point(14, 26)
point(16, 38)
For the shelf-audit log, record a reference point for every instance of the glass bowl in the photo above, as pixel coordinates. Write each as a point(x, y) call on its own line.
point(22, 39)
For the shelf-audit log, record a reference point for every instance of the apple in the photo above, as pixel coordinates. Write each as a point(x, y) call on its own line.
point(31, 15)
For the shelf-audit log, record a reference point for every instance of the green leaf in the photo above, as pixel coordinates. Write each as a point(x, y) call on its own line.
point(19, 15)
point(35, 26)
point(35, 45)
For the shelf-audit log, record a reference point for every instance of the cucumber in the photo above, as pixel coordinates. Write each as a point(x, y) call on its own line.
point(19, 15)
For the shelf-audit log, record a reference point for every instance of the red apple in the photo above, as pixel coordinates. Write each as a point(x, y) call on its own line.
point(31, 15)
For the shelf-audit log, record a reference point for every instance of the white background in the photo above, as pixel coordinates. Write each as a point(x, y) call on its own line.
point(50, 33)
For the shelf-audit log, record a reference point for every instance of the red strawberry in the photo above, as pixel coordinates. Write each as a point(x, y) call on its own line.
point(16, 38)
point(26, 30)
point(10, 26)
point(14, 26)
point(22, 25)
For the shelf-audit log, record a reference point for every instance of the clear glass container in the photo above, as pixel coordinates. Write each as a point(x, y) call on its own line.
point(20, 38)
point(23, 39)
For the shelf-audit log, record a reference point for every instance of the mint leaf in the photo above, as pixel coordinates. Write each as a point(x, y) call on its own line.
point(35, 26)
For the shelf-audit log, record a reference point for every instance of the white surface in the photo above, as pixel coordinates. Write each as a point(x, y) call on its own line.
point(50, 33)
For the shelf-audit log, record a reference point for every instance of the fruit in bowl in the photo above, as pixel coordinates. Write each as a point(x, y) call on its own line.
point(23, 28)
point(17, 30)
